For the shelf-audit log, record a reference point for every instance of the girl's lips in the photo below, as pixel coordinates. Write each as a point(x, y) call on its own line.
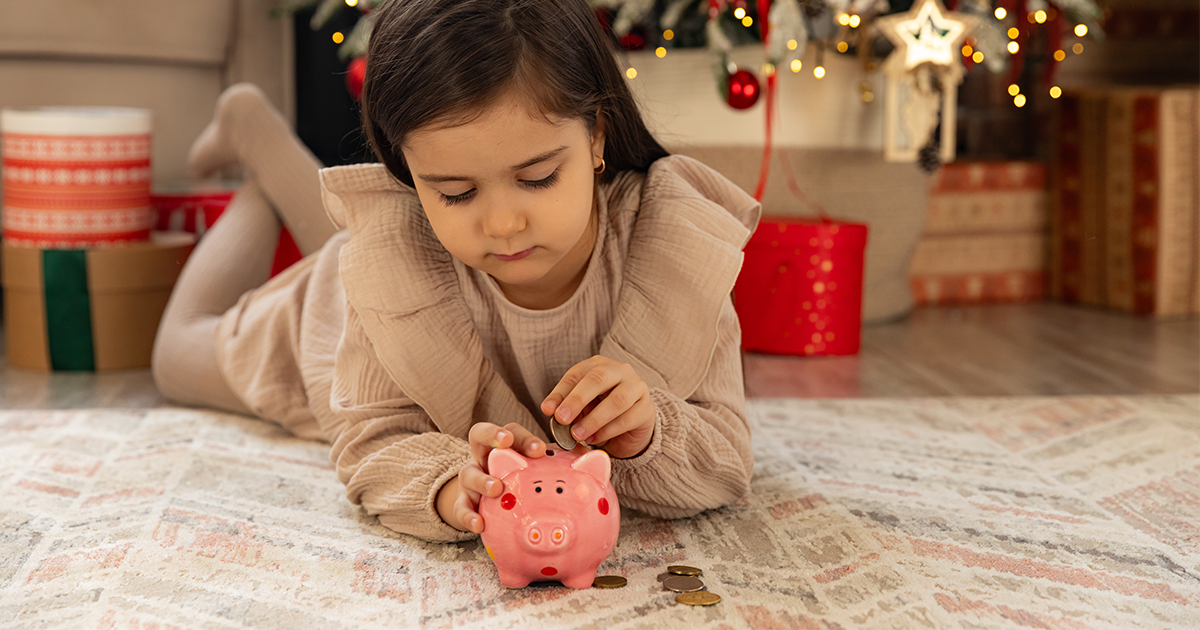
point(516, 256)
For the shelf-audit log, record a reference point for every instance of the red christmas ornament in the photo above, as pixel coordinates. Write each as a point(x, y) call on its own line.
point(633, 41)
point(605, 18)
point(743, 89)
point(356, 73)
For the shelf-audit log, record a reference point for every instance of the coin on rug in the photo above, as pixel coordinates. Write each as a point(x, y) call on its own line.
point(701, 598)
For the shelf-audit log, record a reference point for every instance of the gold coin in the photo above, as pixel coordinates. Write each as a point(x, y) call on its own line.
point(680, 569)
point(682, 584)
point(609, 581)
point(562, 434)
point(698, 599)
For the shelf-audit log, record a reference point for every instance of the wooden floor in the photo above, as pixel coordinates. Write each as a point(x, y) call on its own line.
point(1019, 350)
point(1036, 349)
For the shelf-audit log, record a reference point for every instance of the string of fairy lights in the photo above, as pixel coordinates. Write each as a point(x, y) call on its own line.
point(853, 22)
point(853, 26)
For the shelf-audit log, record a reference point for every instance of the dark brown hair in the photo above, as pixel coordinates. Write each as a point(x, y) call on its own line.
point(443, 62)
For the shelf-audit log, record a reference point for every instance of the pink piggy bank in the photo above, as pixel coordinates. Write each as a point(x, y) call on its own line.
point(557, 519)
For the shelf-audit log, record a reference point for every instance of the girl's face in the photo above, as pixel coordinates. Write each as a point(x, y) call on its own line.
point(513, 196)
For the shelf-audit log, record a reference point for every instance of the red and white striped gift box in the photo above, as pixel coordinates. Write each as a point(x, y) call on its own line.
point(75, 177)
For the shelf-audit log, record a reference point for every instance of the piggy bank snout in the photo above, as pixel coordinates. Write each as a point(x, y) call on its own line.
point(539, 535)
point(548, 535)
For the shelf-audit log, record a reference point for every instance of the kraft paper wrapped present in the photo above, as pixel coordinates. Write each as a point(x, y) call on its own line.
point(801, 287)
point(89, 310)
point(1125, 200)
point(985, 235)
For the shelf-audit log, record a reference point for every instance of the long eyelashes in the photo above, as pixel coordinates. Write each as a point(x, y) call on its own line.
point(537, 184)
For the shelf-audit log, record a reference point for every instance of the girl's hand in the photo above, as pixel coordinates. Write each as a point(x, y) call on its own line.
point(458, 500)
point(612, 403)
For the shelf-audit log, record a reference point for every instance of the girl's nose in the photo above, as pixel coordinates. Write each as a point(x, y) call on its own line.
point(503, 222)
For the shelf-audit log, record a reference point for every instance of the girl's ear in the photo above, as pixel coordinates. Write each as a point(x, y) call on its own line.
point(502, 461)
point(598, 134)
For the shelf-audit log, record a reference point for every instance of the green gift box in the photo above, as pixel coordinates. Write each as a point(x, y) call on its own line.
point(88, 309)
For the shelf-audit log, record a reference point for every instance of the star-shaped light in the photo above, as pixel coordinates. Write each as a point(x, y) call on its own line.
point(928, 33)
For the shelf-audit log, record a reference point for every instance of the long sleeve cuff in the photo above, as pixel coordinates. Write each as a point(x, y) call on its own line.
point(698, 459)
point(400, 483)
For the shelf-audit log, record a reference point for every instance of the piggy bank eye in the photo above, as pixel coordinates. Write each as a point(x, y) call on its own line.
point(537, 489)
point(558, 490)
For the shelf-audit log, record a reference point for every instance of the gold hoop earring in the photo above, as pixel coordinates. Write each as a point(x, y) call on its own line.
point(599, 169)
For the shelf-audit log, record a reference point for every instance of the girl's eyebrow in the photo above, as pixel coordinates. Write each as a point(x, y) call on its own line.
point(434, 179)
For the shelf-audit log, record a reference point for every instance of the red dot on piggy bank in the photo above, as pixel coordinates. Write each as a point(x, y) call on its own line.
point(552, 495)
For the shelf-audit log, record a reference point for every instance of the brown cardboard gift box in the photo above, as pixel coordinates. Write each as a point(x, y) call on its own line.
point(1125, 205)
point(985, 236)
point(92, 309)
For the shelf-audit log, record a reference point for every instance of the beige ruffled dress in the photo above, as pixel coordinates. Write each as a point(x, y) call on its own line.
point(388, 348)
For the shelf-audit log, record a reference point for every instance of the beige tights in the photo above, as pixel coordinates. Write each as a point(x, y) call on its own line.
point(235, 256)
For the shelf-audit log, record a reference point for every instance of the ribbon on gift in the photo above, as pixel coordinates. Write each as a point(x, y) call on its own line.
point(68, 309)
point(771, 106)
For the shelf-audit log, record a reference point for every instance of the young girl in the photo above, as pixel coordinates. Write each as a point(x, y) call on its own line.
point(526, 253)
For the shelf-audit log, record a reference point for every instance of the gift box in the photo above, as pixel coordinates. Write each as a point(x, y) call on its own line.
point(195, 206)
point(985, 235)
point(800, 288)
point(92, 310)
point(1125, 228)
point(75, 177)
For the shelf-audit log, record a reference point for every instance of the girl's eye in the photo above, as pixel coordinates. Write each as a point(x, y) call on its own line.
point(536, 184)
point(450, 200)
point(545, 182)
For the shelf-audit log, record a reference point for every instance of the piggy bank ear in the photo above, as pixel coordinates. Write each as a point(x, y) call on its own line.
point(502, 461)
point(595, 464)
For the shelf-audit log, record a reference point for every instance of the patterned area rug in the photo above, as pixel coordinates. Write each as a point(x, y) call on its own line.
point(1066, 513)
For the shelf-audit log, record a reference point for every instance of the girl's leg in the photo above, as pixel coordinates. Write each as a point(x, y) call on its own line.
point(247, 130)
point(234, 257)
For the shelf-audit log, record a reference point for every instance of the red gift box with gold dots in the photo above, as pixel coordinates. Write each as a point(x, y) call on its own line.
point(800, 289)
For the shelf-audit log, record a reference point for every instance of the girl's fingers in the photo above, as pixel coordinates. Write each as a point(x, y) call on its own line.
point(593, 384)
point(472, 478)
point(525, 442)
point(615, 403)
point(464, 510)
point(639, 417)
point(485, 436)
point(553, 404)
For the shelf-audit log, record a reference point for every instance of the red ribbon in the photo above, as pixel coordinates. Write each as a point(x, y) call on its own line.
point(1018, 60)
point(1055, 32)
point(764, 11)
